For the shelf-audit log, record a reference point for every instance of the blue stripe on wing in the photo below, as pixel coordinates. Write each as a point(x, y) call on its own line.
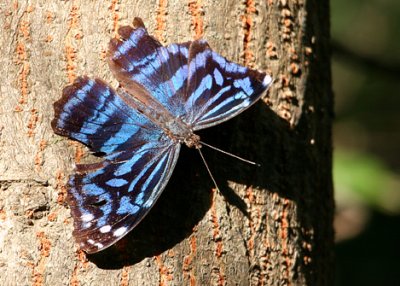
point(219, 89)
point(107, 203)
point(162, 71)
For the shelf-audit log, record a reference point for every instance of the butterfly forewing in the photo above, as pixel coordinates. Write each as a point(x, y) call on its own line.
point(162, 71)
point(92, 113)
point(219, 89)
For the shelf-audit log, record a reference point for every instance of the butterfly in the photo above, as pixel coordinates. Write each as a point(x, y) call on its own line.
point(166, 93)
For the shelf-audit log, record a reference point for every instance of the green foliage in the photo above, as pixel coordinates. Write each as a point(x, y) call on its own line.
point(361, 177)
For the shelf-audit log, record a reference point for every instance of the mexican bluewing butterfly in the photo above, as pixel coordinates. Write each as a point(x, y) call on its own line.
point(166, 94)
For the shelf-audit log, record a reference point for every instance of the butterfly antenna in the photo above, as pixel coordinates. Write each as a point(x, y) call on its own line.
point(208, 169)
point(230, 154)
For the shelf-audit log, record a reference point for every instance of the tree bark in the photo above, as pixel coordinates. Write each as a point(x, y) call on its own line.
point(269, 225)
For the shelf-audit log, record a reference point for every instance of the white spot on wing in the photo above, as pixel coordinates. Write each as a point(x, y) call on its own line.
point(87, 225)
point(87, 217)
point(90, 241)
point(120, 231)
point(267, 80)
point(105, 228)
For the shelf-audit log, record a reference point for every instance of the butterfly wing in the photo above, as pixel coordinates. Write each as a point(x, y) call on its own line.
point(137, 58)
point(109, 198)
point(189, 79)
point(218, 89)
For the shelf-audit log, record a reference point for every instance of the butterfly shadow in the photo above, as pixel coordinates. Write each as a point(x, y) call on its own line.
point(188, 196)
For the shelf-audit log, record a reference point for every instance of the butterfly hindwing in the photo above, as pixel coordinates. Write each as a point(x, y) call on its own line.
point(110, 197)
point(217, 88)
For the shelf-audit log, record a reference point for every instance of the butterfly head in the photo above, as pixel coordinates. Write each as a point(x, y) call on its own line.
point(192, 141)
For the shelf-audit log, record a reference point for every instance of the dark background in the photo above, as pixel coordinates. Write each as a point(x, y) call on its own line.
point(366, 84)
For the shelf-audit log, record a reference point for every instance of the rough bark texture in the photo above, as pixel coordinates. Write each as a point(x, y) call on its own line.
point(270, 225)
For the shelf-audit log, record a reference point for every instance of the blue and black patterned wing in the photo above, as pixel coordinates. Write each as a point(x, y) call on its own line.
point(109, 198)
point(137, 58)
point(189, 79)
point(218, 89)
point(92, 113)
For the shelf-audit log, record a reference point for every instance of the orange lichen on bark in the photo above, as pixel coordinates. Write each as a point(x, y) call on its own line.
point(38, 160)
point(287, 24)
point(294, 68)
point(70, 54)
point(49, 17)
point(82, 262)
point(250, 195)
point(29, 214)
point(3, 215)
point(60, 186)
point(171, 253)
point(165, 273)
point(254, 221)
point(45, 244)
point(285, 237)
point(78, 151)
point(21, 53)
point(42, 145)
point(103, 54)
point(196, 11)
point(160, 20)
point(247, 21)
point(49, 39)
point(216, 235)
point(215, 226)
point(32, 122)
point(188, 259)
point(82, 258)
point(24, 29)
point(22, 59)
point(39, 269)
point(73, 35)
point(271, 50)
point(23, 82)
point(285, 81)
point(52, 216)
point(30, 9)
point(73, 19)
point(124, 276)
point(115, 16)
point(250, 199)
point(74, 277)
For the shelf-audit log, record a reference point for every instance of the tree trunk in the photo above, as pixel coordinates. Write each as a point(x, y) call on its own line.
point(269, 225)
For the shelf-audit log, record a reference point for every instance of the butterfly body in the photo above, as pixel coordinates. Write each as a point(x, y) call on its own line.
point(173, 126)
point(166, 94)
